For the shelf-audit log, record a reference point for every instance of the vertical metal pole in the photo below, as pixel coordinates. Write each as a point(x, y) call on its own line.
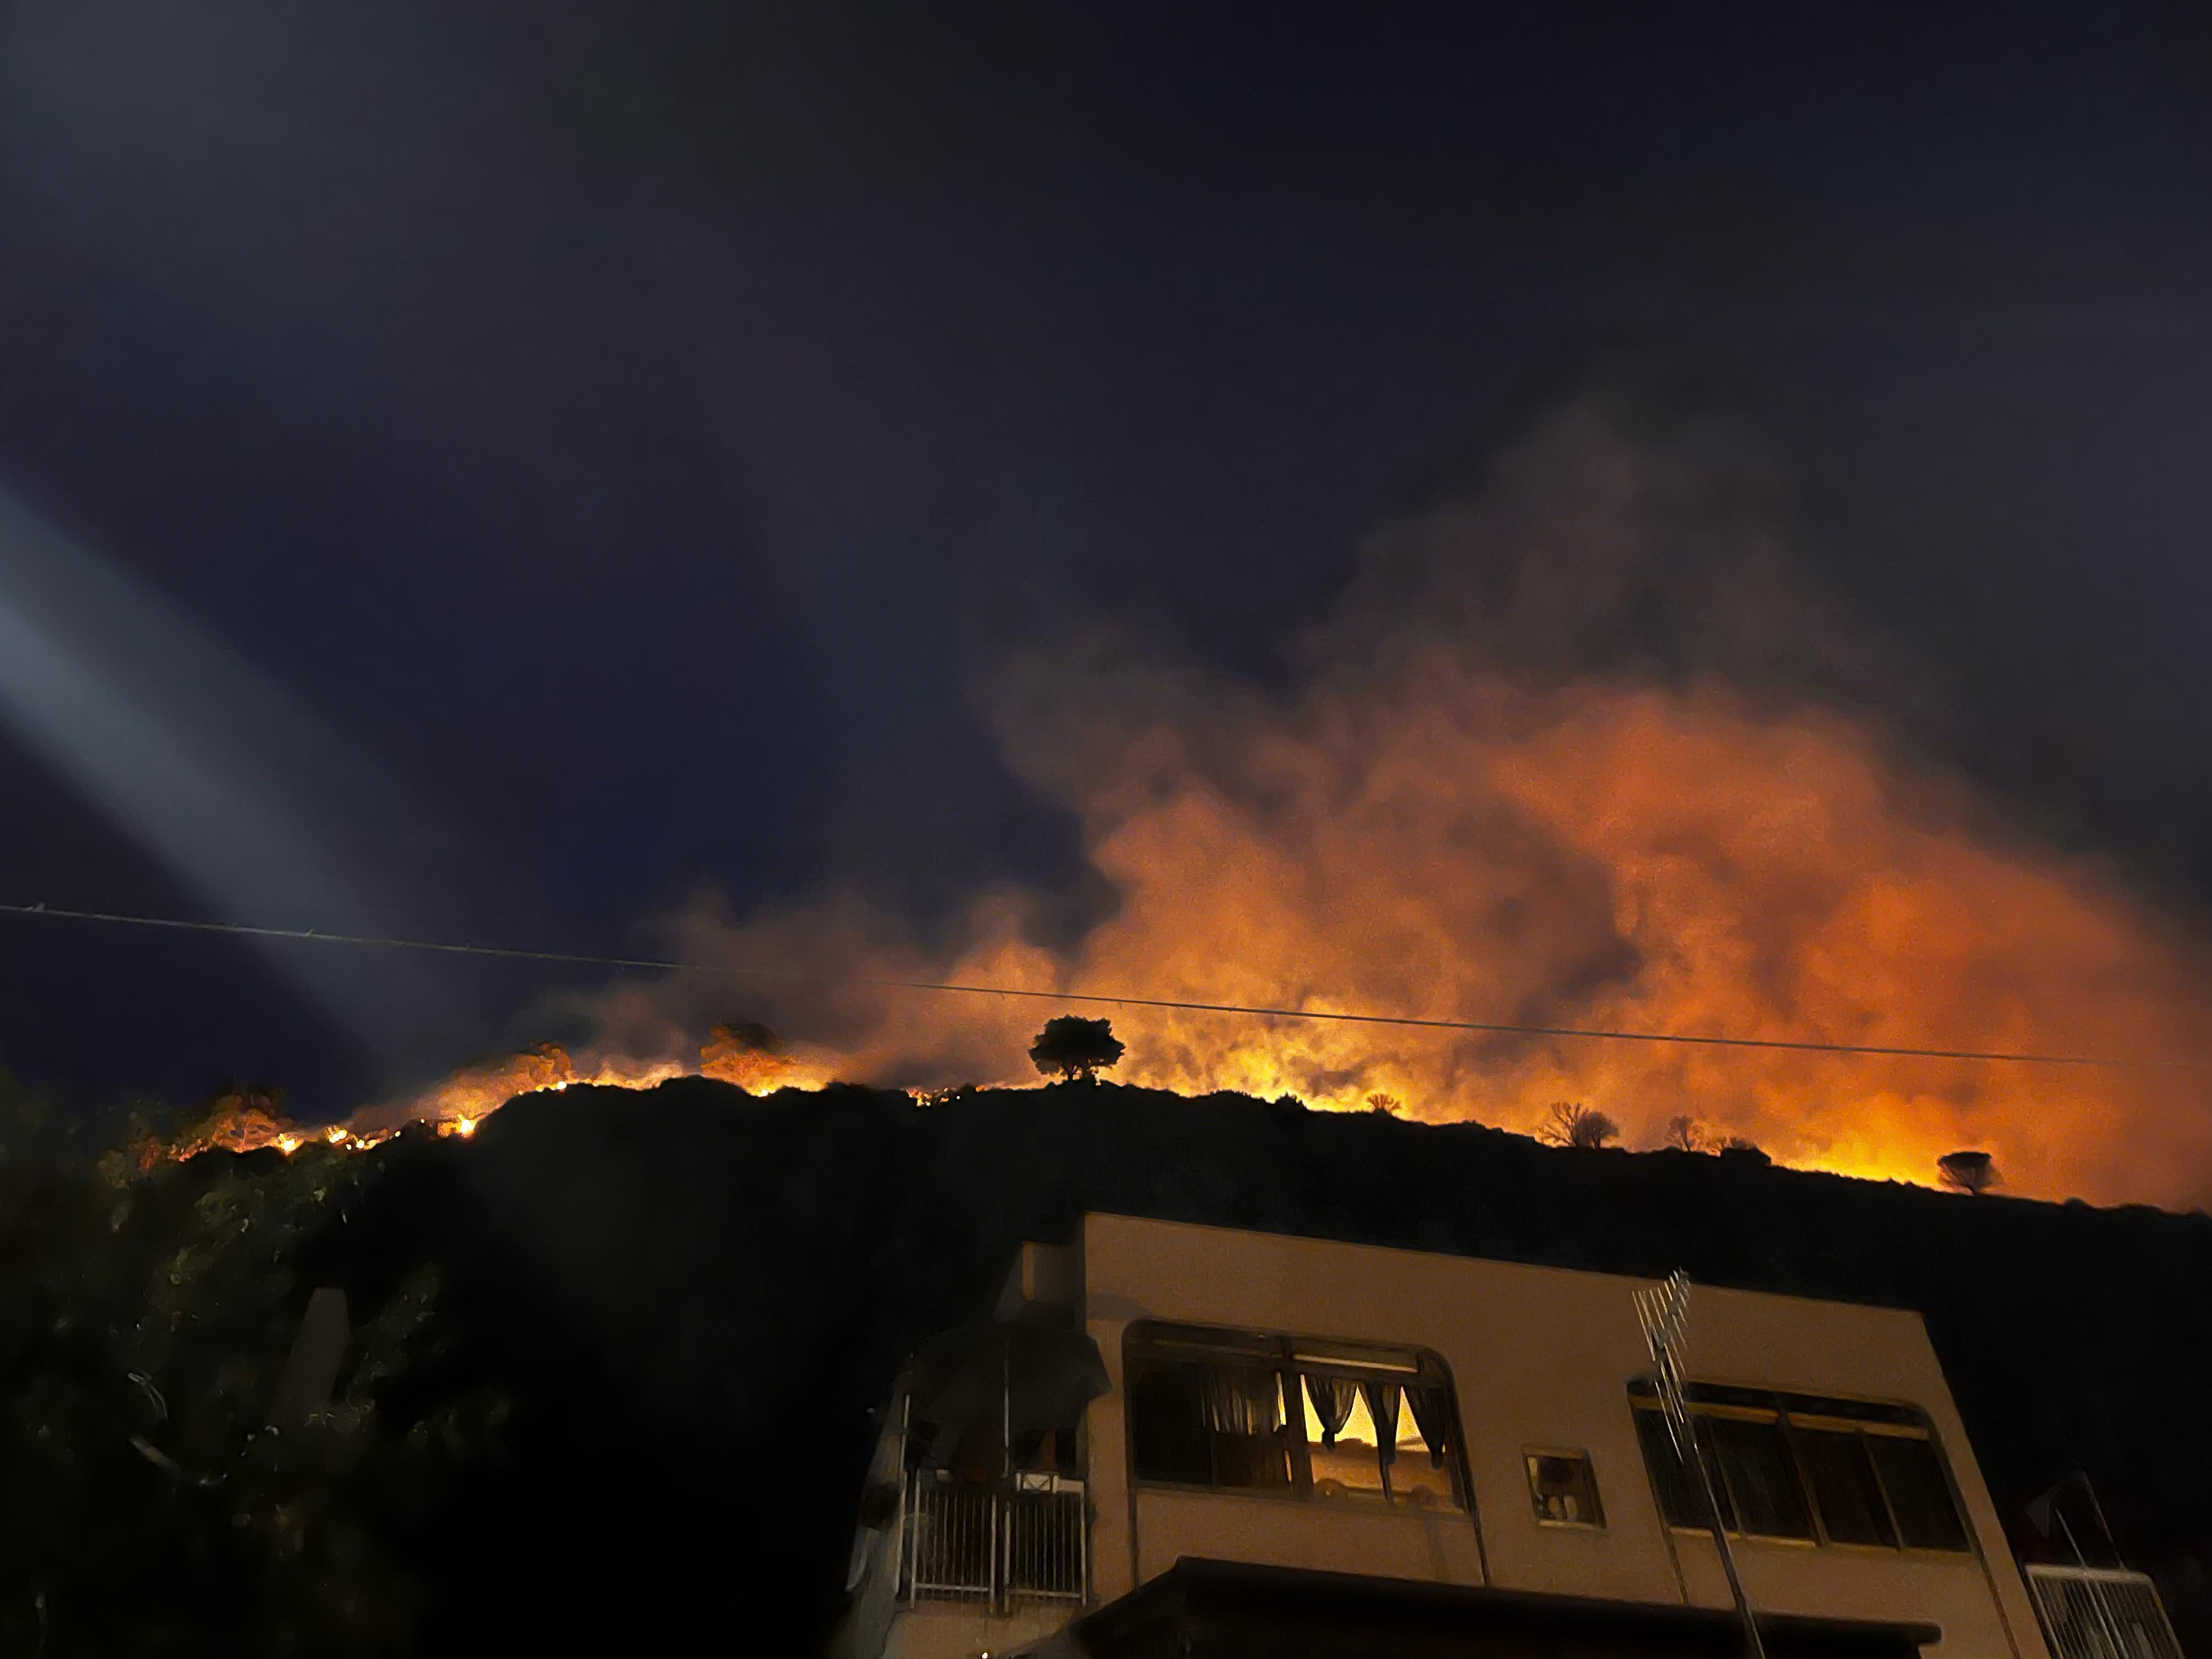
point(1664, 1314)
point(909, 1495)
point(2117, 1632)
point(1002, 1500)
point(1721, 1542)
point(2100, 1614)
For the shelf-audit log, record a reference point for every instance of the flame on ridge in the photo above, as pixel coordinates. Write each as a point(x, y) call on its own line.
point(245, 1121)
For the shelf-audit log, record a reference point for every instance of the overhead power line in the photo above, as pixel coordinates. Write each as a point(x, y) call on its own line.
point(577, 958)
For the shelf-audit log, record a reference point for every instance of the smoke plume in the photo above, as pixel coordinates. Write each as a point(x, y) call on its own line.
point(1580, 746)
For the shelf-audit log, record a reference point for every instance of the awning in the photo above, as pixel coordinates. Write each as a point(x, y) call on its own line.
point(1202, 1609)
point(981, 1382)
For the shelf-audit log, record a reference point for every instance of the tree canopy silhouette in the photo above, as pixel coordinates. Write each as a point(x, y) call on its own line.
point(1071, 1047)
point(1571, 1124)
point(1968, 1172)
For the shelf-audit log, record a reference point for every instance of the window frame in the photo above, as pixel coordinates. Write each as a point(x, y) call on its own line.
point(1792, 1466)
point(1573, 1454)
point(1292, 1358)
point(1887, 1418)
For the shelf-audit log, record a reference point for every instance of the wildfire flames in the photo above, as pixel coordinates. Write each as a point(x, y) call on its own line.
point(245, 1121)
point(1468, 808)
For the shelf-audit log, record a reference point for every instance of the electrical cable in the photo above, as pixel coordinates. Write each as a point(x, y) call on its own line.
point(575, 958)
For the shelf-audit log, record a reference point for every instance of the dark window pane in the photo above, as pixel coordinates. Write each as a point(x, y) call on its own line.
point(1671, 1482)
point(1845, 1489)
point(1244, 1410)
point(1919, 1496)
point(1563, 1487)
point(1251, 1460)
point(1167, 1423)
point(1203, 1425)
point(1761, 1477)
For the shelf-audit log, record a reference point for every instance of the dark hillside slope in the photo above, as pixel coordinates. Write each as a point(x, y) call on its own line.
point(695, 1298)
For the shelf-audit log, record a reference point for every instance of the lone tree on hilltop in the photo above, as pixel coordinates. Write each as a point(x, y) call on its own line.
point(1383, 1103)
point(1968, 1172)
point(1685, 1133)
point(1072, 1048)
point(1571, 1124)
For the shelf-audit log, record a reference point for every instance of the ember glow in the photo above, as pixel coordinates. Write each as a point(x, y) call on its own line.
point(458, 1105)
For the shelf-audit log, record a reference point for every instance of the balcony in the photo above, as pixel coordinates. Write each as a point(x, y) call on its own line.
point(996, 1545)
point(2101, 1613)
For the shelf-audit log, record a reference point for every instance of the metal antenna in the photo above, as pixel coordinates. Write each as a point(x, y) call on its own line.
point(1663, 1311)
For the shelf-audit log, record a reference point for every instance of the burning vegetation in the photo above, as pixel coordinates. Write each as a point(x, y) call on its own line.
point(1578, 750)
point(245, 1119)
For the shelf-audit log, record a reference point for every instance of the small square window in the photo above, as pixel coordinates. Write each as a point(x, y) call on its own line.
point(1563, 1487)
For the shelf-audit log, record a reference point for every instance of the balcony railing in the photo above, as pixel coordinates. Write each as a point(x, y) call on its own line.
point(2100, 1613)
point(997, 1543)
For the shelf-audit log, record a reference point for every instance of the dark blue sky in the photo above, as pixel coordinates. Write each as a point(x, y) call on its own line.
point(626, 428)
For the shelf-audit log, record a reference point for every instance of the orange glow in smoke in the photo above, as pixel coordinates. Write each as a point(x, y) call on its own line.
point(1630, 859)
point(1445, 845)
point(1458, 812)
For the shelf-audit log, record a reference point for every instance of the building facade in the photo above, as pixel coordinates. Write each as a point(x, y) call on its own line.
point(1399, 1442)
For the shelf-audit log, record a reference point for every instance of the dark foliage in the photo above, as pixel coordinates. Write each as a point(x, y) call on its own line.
point(1571, 1124)
point(1968, 1172)
point(146, 1507)
point(1070, 1048)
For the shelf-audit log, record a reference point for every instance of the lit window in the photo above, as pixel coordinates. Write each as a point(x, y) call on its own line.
point(1563, 1487)
point(1342, 1448)
point(1343, 1422)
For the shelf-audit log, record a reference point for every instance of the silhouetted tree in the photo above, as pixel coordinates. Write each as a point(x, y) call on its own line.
point(1571, 1124)
point(1073, 1047)
point(1686, 1133)
point(1383, 1102)
point(1968, 1172)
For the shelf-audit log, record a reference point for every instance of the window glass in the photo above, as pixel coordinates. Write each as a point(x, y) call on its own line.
point(1761, 1477)
point(1245, 1414)
point(1245, 1411)
point(1868, 1483)
point(1419, 1478)
point(1563, 1488)
point(1912, 1475)
point(1204, 1424)
point(1840, 1471)
point(1167, 1422)
point(1671, 1480)
point(1349, 1463)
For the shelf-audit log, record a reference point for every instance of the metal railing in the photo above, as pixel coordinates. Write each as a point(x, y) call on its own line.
point(2101, 1613)
point(997, 1544)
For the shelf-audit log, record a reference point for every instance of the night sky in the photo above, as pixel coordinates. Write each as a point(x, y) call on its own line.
point(491, 471)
